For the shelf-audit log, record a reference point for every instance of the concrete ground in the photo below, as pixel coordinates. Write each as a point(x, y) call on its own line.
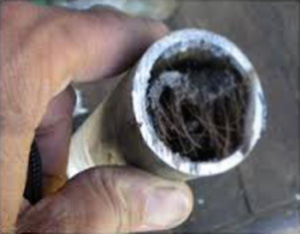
point(262, 195)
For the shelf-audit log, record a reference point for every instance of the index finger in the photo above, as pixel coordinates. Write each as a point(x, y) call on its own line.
point(81, 46)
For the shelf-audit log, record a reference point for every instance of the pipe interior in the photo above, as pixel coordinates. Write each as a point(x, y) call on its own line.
point(197, 101)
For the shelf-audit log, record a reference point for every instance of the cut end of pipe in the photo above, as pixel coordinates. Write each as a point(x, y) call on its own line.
point(199, 102)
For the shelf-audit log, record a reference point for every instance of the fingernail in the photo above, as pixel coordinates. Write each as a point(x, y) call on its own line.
point(166, 208)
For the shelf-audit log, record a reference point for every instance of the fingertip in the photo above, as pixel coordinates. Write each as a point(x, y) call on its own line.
point(167, 206)
point(151, 203)
point(154, 27)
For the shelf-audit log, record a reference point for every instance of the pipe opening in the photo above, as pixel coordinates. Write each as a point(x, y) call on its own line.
point(197, 101)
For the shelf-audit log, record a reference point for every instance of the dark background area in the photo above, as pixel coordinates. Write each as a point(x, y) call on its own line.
point(262, 195)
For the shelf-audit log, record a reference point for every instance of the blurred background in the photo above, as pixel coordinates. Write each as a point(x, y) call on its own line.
point(262, 195)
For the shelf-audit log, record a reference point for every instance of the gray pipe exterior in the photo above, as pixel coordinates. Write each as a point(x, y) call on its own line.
point(111, 136)
point(120, 131)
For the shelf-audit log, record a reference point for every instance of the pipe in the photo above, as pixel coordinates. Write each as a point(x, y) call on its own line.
point(192, 107)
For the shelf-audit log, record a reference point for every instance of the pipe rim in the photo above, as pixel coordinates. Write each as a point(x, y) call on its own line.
point(139, 101)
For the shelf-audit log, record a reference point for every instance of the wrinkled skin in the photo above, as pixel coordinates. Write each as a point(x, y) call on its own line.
point(42, 51)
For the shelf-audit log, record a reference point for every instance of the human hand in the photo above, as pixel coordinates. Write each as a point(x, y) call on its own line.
point(42, 51)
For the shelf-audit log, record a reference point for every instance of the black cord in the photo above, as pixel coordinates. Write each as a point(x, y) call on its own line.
point(34, 184)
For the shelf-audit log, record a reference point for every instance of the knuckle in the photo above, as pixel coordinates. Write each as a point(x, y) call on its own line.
point(113, 187)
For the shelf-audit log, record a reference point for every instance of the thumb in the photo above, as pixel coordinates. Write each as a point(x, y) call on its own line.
point(110, 200)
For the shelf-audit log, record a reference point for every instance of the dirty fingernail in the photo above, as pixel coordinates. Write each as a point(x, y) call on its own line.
point(166, 208)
